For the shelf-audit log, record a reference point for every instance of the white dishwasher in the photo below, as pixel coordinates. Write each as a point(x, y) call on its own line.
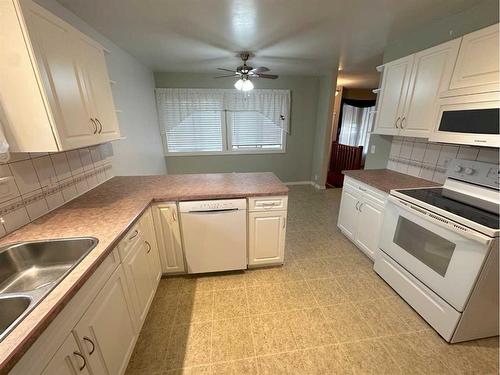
point(214, 234)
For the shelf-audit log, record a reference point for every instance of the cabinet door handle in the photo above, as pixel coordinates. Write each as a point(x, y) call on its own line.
point(136, 232)
point(397, 122)
point(87, 339)
point(100, 125)
point(402, 121)
point(94, 124)
point(149, 247)
point(357, 206)
point(361, 188)
point(78, 354)
point(174, 215)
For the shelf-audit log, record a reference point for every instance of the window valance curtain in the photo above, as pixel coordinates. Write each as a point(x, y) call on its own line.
point(175, 105)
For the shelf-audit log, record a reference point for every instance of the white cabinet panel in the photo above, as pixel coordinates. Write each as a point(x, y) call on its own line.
point(151, 244)
point(369, 222)
point(140, 281)
point(168, 236)
point(68, 360)
point(395, 80)
point(431, 75)
point(56, 54)
point(348, 212)
point(477, 67)
point(106, 331)
point(266, 237)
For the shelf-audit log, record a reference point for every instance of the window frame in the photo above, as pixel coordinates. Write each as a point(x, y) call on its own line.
point(226, 144)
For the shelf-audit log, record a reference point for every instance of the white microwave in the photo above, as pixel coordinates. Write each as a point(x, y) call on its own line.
point(468, 120)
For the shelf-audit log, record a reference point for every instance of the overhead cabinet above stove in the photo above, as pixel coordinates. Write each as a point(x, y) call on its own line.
point(54, 88)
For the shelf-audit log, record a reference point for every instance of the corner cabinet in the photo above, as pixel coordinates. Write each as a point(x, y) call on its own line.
point(168, 236)
point(266, 230)
point(360, 215)
point(54, 81)
point(410, 90)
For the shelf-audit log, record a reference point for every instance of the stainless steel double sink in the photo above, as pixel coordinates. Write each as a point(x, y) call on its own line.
point(30, 270)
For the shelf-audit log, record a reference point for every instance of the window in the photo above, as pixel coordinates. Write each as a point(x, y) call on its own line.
point(213, 121)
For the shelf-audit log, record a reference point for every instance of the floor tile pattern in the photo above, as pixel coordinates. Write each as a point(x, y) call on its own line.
point(323, 312)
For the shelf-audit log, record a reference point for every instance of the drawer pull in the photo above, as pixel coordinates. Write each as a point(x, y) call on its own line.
point(87, 339)
point(78, 354)
point(361, 188)
point(136, 232)
point(149, 247)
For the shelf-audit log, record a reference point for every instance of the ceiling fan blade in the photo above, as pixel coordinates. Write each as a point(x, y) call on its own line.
point(260, 69)
point(229, 75)
point(226, 70)
point(270, 76)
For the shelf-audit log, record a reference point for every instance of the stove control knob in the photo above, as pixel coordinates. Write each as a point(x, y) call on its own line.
point(458, 168)
point(469, 171)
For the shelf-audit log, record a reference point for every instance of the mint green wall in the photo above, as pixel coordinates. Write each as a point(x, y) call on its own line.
point(481, 15)
point(294, 165)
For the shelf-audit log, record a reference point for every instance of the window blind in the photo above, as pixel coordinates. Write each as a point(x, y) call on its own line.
point(251, 129)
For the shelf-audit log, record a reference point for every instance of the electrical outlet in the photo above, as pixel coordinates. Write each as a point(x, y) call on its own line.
point(315, 177)
point(372, 149)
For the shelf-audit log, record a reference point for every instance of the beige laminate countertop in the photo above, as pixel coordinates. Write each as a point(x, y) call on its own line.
point(107, 212)
point(386, 180)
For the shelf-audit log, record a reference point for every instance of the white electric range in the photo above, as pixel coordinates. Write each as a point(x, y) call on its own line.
point(439, 250)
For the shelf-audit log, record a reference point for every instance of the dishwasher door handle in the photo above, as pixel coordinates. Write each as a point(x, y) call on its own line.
point(224, 210)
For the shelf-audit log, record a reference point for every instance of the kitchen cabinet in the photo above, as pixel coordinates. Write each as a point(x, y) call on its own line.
point(140, 280)
point(168, 236)
point(106, 331)
point(151, 244)
point(266, 230)
point(68, 360)
point(410, 90)
point(360, 215)
point(477, 67)
point(55, 83)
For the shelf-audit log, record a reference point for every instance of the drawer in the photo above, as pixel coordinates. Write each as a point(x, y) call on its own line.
point(278, 203)
point(134, 236)
point(375, 195)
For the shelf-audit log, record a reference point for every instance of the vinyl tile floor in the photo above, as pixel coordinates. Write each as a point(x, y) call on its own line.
point(325, 311)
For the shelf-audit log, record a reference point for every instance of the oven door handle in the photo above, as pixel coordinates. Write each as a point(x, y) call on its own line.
point(441, 221)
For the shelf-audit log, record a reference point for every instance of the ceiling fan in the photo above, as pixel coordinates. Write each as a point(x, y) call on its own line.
point(245, 73)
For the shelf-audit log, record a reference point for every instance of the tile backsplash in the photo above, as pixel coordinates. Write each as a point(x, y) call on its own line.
point(420, 158)
point(32, 184)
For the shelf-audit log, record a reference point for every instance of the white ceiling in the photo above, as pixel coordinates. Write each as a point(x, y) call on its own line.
point(288, 36)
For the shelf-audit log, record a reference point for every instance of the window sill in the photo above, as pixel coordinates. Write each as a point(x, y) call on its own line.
point(225, 153)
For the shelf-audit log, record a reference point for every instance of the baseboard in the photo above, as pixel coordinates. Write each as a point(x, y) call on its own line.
point(299, 183)
point(319, 187)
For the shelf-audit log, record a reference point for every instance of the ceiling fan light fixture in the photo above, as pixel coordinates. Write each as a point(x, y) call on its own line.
point(244, 84)
point(238, 85)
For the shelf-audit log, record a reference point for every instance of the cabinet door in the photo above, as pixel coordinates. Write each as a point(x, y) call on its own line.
point(395, 79)
point(99, 90)
point(431, 74)
point(348, 212)
point(151, 244)
point(68, 360)
point(477, 67)
point(369, 221)
point(57, 57)
point(140, 281)
point(106, 331)
point(168, 236)
point(266, 237)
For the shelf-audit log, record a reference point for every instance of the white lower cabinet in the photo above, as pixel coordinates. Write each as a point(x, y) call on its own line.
point(360, 215)
point(106, 331)
point(141, 281)
point(266, 230)
point(168, 236)
point(151, 244)
point(68, 360)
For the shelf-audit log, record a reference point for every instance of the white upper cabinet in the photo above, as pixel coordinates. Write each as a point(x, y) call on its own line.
point(395, 80)
point(410, 90)
point(477, 67)
point(55, 88)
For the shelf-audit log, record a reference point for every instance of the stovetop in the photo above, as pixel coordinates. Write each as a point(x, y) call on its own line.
point(435, 197)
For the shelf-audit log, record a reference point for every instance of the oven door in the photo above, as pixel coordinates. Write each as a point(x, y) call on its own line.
point(444, 256)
